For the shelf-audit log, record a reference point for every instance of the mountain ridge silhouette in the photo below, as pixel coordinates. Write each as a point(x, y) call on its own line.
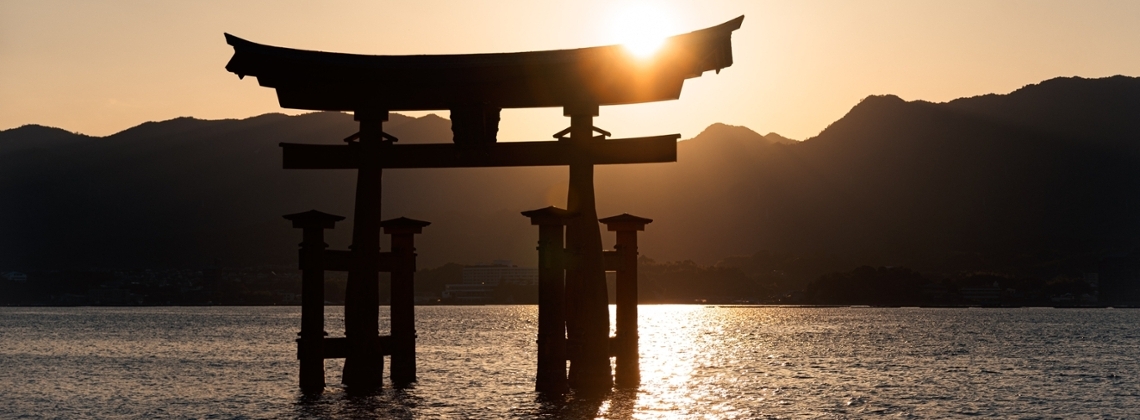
point(891, 182)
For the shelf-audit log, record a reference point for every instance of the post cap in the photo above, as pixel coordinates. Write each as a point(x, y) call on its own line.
point(625, 222)
point(549, 216)
point(403, 225)
point(313, 219)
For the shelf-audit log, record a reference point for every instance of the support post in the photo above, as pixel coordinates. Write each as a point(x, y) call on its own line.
point(551, 373)
point(403, 310)
point(363, 368)
point(587, 305)
point(627, 357)
point(310, 343)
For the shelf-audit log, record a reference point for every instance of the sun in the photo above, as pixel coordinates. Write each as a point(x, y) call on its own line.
point(641, 27)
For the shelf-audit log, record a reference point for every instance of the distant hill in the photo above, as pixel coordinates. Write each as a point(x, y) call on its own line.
point(1046, 172)
point(33, 136)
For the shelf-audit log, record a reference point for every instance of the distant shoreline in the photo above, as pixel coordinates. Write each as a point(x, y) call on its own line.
point(753, 305)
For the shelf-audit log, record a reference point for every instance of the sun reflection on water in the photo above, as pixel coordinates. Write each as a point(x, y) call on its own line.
point(678, 357)
point(668, 355)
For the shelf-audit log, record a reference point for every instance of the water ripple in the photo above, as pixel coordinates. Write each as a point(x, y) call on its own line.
point(478, 362)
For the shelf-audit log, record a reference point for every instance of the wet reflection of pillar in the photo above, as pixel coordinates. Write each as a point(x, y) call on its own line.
point(403, 231)
point(551, 373)
point(363, 364)
point(626, 354)
point(310, 344)
point(587, 310)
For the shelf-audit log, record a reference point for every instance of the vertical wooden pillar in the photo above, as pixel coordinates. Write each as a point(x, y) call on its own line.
point(403, 310)
point(363, 365)
point(627, 357)
point(587, 305)
point(551, 373)
point(310, 344)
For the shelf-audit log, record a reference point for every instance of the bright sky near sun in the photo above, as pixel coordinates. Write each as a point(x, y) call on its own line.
point(100, 67)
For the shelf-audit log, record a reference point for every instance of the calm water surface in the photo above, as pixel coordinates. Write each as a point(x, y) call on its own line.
point(478, 362)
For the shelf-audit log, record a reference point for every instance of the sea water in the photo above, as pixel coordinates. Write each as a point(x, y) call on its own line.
point(479, 362)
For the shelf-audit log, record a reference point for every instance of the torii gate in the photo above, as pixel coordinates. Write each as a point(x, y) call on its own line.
point(475, 88)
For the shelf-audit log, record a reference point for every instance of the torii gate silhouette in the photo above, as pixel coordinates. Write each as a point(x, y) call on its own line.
point(475, 88)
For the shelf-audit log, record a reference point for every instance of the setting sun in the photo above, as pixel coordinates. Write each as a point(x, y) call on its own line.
point(641, 28)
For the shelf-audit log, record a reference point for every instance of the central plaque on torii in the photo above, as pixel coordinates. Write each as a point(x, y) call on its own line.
point(475, 88)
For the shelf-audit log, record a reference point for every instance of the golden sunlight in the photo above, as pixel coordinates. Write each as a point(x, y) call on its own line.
point(641, 27)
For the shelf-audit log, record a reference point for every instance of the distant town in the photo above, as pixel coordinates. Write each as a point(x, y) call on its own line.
point(498, 282)
point(754, 280)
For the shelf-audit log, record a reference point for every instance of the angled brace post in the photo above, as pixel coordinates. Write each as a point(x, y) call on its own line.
point(356, 136)
point(561, 135)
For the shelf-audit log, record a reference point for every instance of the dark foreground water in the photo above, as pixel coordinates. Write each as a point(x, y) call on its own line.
point(478, 362)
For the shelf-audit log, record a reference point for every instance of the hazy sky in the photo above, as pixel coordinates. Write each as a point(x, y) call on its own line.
point(100, 67)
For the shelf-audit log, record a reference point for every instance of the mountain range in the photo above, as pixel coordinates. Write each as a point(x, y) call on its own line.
point(1047, 172)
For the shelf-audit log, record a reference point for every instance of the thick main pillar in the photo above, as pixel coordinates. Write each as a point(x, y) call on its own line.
point(551, 372)
point(363, 365)
point(310, 343)
point(587, 306)
point(403, 315)
point(627, 358)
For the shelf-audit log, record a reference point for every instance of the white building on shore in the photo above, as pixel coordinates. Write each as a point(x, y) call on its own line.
point(500, 272)
point(480, 281)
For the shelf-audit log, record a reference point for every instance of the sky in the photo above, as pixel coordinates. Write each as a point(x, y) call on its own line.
point(99, 67)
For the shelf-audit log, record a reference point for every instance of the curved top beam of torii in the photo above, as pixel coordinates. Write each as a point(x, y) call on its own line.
point(606, 75)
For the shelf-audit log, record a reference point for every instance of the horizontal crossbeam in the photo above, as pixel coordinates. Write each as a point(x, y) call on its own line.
point(449, 155)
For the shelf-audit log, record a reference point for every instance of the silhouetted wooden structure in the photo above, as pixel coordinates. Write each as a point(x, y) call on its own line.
point(475, 88)
point(608, 75)
point(551, 373)
point(553, 261)
point(624, 261)
point(313, 345)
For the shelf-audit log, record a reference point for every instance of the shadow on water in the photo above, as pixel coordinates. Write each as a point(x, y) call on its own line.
point(618, 404)
point(313, 406)
point(335, 402)
point(622, 403)
point(403, 403)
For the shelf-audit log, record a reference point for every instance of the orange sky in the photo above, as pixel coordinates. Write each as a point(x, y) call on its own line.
point(100, 67)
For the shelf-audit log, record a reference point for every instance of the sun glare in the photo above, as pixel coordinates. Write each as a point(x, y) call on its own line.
point(641, 28)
